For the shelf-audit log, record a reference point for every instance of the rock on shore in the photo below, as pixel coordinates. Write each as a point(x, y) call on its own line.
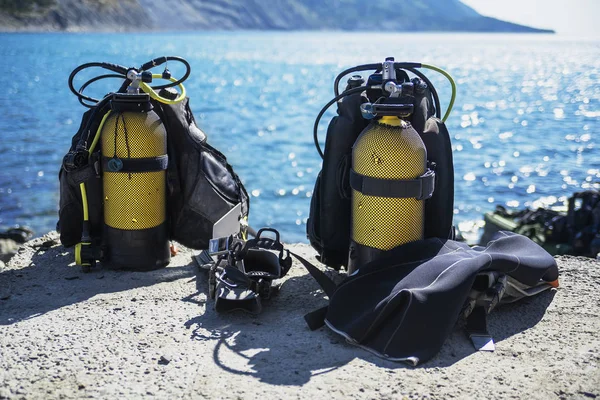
point(114, 334)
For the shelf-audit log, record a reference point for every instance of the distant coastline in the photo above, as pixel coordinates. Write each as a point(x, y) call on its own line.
point(37, 30)
point(227, 15)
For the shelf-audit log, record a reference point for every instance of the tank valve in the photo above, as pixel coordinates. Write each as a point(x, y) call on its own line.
point(136, 77)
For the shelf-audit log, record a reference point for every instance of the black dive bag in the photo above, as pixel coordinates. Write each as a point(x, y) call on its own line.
point(329, 222)
point(201, 186)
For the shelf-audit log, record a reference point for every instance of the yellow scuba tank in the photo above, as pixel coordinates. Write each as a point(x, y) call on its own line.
point(134, 163)
point(127, 178)
point(391, 200)
point(389, 178)
point(388, 149)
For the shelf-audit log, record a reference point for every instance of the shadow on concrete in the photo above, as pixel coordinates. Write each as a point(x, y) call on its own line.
point(505, 321)
point(511, 319)
point(277, 347)
point(52, 281)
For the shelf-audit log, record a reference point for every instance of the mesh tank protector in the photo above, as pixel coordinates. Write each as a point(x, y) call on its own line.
point(134, 163)
point(388, 150)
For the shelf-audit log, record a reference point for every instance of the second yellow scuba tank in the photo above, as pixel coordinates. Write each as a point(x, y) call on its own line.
point(390, 179)
point(388, 149)
point(375, 188)
point(134, 163)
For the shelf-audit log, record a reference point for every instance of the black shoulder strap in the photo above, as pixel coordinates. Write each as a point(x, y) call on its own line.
point(323, 280)
point(173, 179)
point(316, 319)
point(476, 328)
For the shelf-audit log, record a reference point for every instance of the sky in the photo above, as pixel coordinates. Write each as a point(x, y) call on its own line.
point(566, 17)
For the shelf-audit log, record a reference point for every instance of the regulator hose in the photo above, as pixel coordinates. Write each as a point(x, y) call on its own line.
point(152, 93)
point(120, 72)
point(162, 60)
point(324, 109)
point(118, 69)
point(413, 68)
point(86, 84)
point(452, 83)
point(408, 66)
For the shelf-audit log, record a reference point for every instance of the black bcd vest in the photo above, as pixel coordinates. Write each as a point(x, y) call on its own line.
point(201, 185)
point(329, 223)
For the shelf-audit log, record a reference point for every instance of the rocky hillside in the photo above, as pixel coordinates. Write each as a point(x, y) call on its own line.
point(73, 15)
point(134, 15)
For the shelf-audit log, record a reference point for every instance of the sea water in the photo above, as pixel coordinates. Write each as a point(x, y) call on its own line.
point(524, 127)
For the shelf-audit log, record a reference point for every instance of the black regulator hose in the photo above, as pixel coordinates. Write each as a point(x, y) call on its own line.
point(434, 94)
point(358, 68)
point(324, 109)
point(85, 85)
point(118, 69)
point(161, 60)
point(121, 72)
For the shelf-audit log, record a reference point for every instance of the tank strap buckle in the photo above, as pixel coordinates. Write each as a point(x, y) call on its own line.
point(129, 165)
point(420, 188)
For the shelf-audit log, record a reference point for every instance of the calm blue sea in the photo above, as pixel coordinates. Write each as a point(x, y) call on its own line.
point(525, 127)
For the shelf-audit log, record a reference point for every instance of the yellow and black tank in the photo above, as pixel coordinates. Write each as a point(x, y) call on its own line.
point(134, 164)
point(389, 160)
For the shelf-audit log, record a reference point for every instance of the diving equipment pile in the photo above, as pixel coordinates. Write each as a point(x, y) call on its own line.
point(573, 231)
point(140, 173)
point(382, 207)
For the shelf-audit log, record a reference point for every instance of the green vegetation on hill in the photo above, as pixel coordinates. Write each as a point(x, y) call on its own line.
point(24, 6)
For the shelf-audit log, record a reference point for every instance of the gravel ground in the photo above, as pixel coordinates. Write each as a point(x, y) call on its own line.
point(112, 334)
